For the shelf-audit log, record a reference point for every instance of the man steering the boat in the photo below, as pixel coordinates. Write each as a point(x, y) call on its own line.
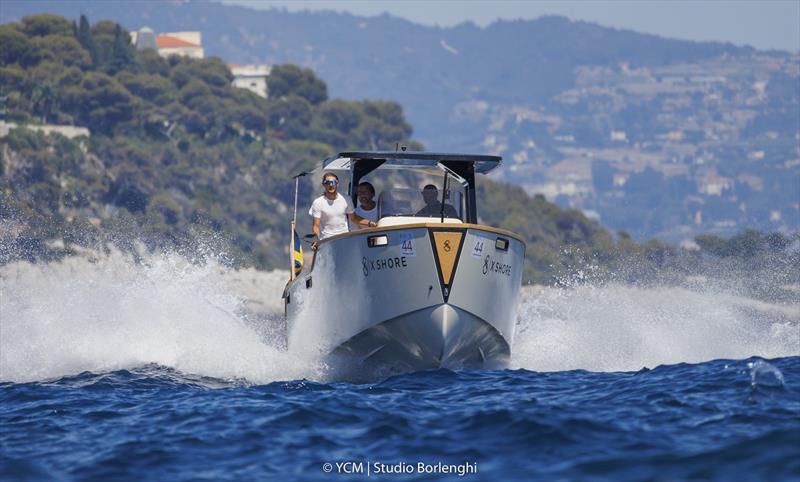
point(331, 211)
point(434, 207)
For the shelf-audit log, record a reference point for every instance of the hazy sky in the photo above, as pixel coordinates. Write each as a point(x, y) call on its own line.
point(764, 24)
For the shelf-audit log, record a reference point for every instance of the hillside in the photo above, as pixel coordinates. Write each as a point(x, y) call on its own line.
point(177, 158)
point(659, 137)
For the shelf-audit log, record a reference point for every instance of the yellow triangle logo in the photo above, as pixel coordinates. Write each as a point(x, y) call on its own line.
point(447, 244)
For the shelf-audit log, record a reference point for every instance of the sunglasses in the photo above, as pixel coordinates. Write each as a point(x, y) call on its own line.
point(331, 182)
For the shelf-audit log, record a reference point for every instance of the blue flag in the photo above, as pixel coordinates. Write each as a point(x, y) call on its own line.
point(297, 254)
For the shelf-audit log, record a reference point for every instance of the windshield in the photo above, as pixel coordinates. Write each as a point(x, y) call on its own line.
point(412, 202)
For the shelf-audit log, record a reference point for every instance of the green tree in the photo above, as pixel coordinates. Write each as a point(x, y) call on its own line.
point(100, 102)
point(382, 127)
point(249, 116)
point(147, 86)
point(46, 24)
point(43, 97)
point(103, 33)
point(122, 51)
point(43, 89)
point(17, 48)
point(152, 63)
point(340, 115)
point(62, 49)
point(210, 71)
point(86, 39)
point(285, 80)
point(11, 78)
point(289, 116)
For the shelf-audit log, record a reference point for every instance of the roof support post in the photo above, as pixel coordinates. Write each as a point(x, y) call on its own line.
point(467, 171)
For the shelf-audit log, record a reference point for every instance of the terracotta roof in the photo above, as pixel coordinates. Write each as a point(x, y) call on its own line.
point(167, 42)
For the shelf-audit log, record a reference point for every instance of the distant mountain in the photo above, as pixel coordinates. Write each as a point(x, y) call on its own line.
point(169, 153)
point(579, 111)
point(428, 70)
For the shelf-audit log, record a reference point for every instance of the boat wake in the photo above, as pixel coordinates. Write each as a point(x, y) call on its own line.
point(625, 328)
point(109, 313)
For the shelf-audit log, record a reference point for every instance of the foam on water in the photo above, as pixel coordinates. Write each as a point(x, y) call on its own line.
point(110, 313)
point(65, 318)
point(763, 374)
point(623, 328)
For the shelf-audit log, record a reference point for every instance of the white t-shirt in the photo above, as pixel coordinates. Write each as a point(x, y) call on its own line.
point(332, 214)
point(372, 215)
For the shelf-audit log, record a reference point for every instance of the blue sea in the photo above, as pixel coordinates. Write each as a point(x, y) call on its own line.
point(160, 371)
point(718, 420)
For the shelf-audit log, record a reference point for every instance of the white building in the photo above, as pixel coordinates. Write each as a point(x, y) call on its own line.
point(145, 38)
point(70, 132)
point(713, 185)
point(619, 136)
point(251, 77)
point(187, 44)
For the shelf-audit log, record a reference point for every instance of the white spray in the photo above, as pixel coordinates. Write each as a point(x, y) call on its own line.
point(622, 328)
point(64, 318)
point(110, 313)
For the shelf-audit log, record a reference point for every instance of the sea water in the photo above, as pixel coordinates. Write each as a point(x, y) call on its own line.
point(171, 370)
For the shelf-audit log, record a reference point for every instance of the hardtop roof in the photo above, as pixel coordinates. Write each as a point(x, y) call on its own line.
point(411, 159)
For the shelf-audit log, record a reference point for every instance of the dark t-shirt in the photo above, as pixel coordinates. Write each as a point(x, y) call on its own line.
point(435, 209)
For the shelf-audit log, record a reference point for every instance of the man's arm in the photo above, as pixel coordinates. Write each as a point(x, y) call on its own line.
point(356, 219)
point(315, 227)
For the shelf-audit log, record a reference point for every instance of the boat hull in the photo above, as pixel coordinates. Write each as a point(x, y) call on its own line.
point(437, 337)
point(411, 297)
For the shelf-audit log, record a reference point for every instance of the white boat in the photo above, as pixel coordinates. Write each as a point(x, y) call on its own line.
point(417, 291)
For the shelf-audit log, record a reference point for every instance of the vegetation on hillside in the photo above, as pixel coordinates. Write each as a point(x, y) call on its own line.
point(178, 158)
point(547, 94)
point(173, 147)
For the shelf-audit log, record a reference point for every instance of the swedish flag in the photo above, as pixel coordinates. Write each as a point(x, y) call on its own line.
point(297, 254)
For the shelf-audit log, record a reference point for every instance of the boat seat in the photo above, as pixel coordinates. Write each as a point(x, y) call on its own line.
point(400, 220)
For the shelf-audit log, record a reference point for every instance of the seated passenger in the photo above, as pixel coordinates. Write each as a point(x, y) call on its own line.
point(433, 207)
point(367, 208)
